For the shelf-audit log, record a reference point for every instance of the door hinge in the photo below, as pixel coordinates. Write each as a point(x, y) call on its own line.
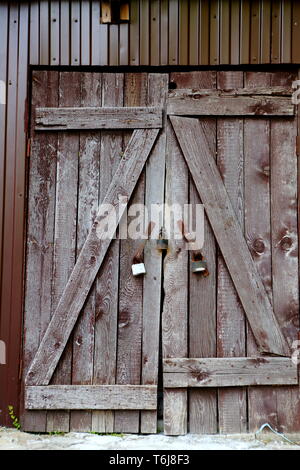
point(298, 145)
point(28, 149)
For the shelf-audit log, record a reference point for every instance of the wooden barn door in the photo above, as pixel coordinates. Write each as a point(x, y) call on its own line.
point(91, 329)
point(226, 337)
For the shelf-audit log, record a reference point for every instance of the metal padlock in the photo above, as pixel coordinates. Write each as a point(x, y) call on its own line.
point(198, 264)
point(138, 269)
point(162, 242)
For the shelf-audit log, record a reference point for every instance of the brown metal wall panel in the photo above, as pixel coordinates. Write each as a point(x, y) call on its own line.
point(194, 32)
point(265, 45)
point(85, 32)
point(255, 32)
point(245, 32)
point(160, 32)
point(173, 31)
point(286, 42)
point(34, 33)
point(44, 32)
point(64, 32)
point(54, 33)
point(296, 32)
point(214, 46)
point(225, 32)
point(276, 32)
point(75, 33)
point(235, 32)
point(183, 33)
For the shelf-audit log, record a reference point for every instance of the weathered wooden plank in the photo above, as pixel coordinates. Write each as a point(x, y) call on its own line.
point(154, 194)
point(130, 317)
point(65, 229)
point(284, 247)
point(229, 236)
point(232, 404)
point(261, 400)
point(107, 282)
point(90, 259)
point(88, 189)
point(220, 105)
point(98, 118)
point(175, 308)
point(225, 90)
point(229, 372)
point(91, 397)
point(40, 235)
point(202, 314)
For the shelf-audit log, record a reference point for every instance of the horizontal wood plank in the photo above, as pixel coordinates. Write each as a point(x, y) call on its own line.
point(91, 397)
point(229, 372)
point(228, 233)
point(221, 104)
point(55, 119)
point(90, 258)
point(246, 91)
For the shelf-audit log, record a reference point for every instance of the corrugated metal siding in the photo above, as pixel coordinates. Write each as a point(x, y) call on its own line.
point(166, 32)
point(161, 32)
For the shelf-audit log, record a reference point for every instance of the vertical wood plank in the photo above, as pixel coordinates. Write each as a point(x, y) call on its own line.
point(214, 38)
point(75, 33)
point(88, 192)
point(175, 308)
point(284, 242)
point(173, 31)
point(194, 34)
point(155, 185)
point(64, 32)
point(85, 33)
point(65, 230)
point(34, 33)
point(40, 235)
point(130, 288)
point(202, 315)
point(44, 33)
point(107, 284)
point(175, 316)
point(261, 400)
point(232, 402)
point(54, 33)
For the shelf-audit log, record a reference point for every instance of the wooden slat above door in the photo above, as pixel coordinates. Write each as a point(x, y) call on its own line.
point(223, 104)
point(62, 119)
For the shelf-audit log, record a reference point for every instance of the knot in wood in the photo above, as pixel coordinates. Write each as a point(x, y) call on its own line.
point(259, 246)
point(286, 243)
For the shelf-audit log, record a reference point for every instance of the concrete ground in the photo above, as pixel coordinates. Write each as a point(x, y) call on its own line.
point(11, 439)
